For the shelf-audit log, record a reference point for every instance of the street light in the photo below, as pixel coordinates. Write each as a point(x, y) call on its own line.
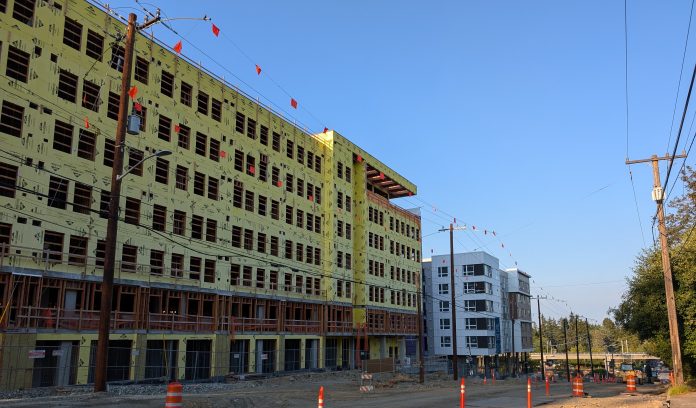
point(110, 251)
point(159, 153)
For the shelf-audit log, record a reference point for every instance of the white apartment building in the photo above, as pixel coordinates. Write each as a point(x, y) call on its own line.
point(492, 309)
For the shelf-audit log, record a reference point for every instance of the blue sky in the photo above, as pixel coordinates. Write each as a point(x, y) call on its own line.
point(509, 115)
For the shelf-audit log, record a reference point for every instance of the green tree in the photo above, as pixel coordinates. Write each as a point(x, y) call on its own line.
point(642, 310)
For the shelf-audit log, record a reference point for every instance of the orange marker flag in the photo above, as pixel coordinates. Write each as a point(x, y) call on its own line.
point(177, 47)
point(86, 122)
point(258, 70)
point(293, 103)
point(326, 129)
point(177, 128)
point(133, 92)
point(216, 30)
point(138, 107)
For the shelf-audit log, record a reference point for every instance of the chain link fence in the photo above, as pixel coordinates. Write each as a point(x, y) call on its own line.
point(54, 363)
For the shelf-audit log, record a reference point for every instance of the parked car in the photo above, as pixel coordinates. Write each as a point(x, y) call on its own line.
point(663, 376)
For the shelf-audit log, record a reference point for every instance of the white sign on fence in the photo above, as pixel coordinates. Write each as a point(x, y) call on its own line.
point(57, 353)
point(37, 353)
point(264, 356)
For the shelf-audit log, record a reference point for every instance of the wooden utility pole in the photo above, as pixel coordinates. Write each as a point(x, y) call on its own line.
point(658, 196)
point(577, 346)
point(107, 286)
point(541, 341)
point(589, 347)
point(565, 340)
point(421, 367)
point(455, 357)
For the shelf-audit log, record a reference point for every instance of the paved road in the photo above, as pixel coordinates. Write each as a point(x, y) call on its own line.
point(340, 393)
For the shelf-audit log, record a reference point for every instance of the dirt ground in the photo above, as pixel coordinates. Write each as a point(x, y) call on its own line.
point(341, 390)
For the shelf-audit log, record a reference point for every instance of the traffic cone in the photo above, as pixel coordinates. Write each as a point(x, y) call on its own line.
point(462, 394)
point(484, 380)
point(174, 395)
point(320, 400)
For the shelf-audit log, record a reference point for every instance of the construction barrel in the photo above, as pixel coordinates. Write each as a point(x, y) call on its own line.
point(577, 387)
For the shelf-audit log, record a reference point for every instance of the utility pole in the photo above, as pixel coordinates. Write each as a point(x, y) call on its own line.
point(514, 357)
point(541, 341)
point(577, 345)
point(114, 198)
point(589, 346)
point(658, 197)
point(565, 340)
point(455, 357)
point(421, 367)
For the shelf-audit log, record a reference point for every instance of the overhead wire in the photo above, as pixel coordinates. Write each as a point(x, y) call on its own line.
point(681, 72)
point(630, 173)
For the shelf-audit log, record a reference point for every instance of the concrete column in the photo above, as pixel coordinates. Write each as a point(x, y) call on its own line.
point(321, 352)
point(259, 356)
point(17, 367)
point(181, 358)
point(303, 353)
point(83, 361)
point(402, 349)
point(220, 359)
point(280, 353)
point(63, 369)
point(314, 353)
point(339, 352)
point(139, 356)
point(252, 355)
point(383, 350)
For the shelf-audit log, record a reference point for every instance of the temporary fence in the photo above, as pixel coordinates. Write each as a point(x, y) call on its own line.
point(50, 363)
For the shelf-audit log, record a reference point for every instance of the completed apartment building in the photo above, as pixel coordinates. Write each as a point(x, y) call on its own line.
point(493, 311)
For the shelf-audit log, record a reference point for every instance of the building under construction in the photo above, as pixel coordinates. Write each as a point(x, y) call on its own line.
point(254, 247)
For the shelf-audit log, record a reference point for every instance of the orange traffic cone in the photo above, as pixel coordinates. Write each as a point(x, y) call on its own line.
point(320, 400)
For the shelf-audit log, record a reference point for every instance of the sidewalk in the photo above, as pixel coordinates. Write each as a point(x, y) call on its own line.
point(683, 401)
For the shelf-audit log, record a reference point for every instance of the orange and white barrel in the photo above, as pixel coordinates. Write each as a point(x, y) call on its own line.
point(174, 395)
point(630, 383)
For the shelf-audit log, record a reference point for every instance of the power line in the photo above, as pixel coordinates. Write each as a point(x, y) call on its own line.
point(681, 72)
point(630, 173)
point(626, 68)
point(681, 125)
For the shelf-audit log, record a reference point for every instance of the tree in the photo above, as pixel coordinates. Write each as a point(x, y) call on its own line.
point(642, 310)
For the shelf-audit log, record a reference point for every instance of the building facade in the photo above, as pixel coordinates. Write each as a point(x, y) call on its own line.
point(254, 247)
point(492, 310)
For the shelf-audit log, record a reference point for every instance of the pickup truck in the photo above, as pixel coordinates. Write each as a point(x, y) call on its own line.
point(625, 370)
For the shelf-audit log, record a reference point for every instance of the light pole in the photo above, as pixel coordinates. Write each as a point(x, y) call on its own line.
point(159, 153)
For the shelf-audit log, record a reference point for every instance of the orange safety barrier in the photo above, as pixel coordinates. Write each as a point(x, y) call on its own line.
point(529, 392)
point(578, 390)
point(320, 400)
point(462, 394)
point(630, 383)
point(548, 391)
point(174, 395)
